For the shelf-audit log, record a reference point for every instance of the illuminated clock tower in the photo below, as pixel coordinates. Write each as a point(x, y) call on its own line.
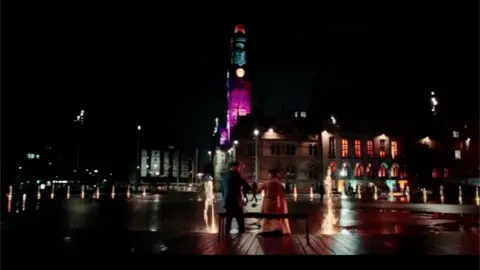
point(238, 84)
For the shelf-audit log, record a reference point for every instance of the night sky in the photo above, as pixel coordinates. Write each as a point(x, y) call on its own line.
point(166, 71)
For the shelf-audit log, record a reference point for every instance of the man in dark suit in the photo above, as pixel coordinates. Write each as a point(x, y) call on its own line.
point(232, 183)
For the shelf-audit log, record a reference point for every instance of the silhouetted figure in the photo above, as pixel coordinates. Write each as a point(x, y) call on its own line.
point(321, 191)
point(254, 192)
point(232, 184)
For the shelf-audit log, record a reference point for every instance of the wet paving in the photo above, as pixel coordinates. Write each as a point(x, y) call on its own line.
point(173, 214)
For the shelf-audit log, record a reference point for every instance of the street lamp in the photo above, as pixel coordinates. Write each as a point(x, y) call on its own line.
point(235, 143)
point(255, 133)
point(137, 172)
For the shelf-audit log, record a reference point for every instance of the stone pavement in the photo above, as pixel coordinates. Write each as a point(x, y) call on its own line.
point(175, 224)
point(74, 242)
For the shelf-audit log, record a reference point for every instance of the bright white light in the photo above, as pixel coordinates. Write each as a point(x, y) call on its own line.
point(334, 121)
point(433, 93)
point(95, 171)
point(157, 173)
point(82, 112)
point(270, 130)
point(20, 167)
point(139, 128)
point(343, 172)
point(209, 152)
point(235, 142)
point(256, 132)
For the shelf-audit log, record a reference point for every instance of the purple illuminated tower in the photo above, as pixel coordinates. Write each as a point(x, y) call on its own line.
point(238, 85)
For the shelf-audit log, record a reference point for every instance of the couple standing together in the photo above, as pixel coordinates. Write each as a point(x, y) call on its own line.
point(274, 200)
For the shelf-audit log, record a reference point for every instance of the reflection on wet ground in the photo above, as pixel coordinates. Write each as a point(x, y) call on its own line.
point(188, 212)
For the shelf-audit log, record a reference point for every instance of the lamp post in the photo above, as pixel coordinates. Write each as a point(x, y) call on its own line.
point(79, 121)
point(235, 144)
point(137, 161)
point(256, 133)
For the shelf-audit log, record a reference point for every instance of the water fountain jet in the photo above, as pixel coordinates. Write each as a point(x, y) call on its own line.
point(24, 200)
point(82, 192)
point(329, 220)
point(460, 195)
point(477, 199)
point(359, 192)
point(442, 196)
point(52, 192)
point(311, 193)
point(113, 192)
point(128, 191)
point(68, 192)
point(375, 192)
point(295, 192)
point(144, 192)
point(10, 193)
point(97, 193)
point(424, 195)
point(39, 194)
point(407, 193)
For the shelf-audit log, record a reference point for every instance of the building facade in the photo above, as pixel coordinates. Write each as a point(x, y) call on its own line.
point(304, 156)
point(166, 165)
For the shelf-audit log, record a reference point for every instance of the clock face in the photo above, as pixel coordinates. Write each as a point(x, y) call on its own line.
point(240, 72)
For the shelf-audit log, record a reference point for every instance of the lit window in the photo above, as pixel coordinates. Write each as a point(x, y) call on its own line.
point(382, 172)
point(303, 114)
point(358, 148)
point(296, 114)
point(331, 147)
point(394, 149)
point(344, 148)
point(395, 172)
point(359, 171)
point(382, 148)
point(456, 134)
point(458, 154)
point(370, 151)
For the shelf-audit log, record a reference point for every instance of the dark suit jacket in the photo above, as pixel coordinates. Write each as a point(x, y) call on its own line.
point(232, 184)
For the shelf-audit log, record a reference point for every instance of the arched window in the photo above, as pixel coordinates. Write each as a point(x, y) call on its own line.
point(395, 171)
point(382, 171)
point(358, 170)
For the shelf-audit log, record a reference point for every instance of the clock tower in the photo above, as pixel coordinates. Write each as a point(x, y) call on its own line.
point(238, 84)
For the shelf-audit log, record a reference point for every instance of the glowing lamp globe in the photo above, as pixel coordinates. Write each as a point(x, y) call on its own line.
point(240, 72)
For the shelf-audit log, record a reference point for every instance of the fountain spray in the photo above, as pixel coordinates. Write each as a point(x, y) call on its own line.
point(375, 193)
point(52, 192)
point(24, 200)
point(311, 193)
point(460, 195)
point(359, 191)
point(295, 191)
point(128, 191)
point(329, 220)
point(442, 197)
point(39, 194)
point(424, 195)
point(10, 193)
point(97, 193)
point(68, 192)
point(477, 199)
point(113, 192)
point(407, 193)
point(144, 192)
point(82, 192)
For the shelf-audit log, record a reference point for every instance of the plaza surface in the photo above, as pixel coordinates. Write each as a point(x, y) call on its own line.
point(181, 223)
